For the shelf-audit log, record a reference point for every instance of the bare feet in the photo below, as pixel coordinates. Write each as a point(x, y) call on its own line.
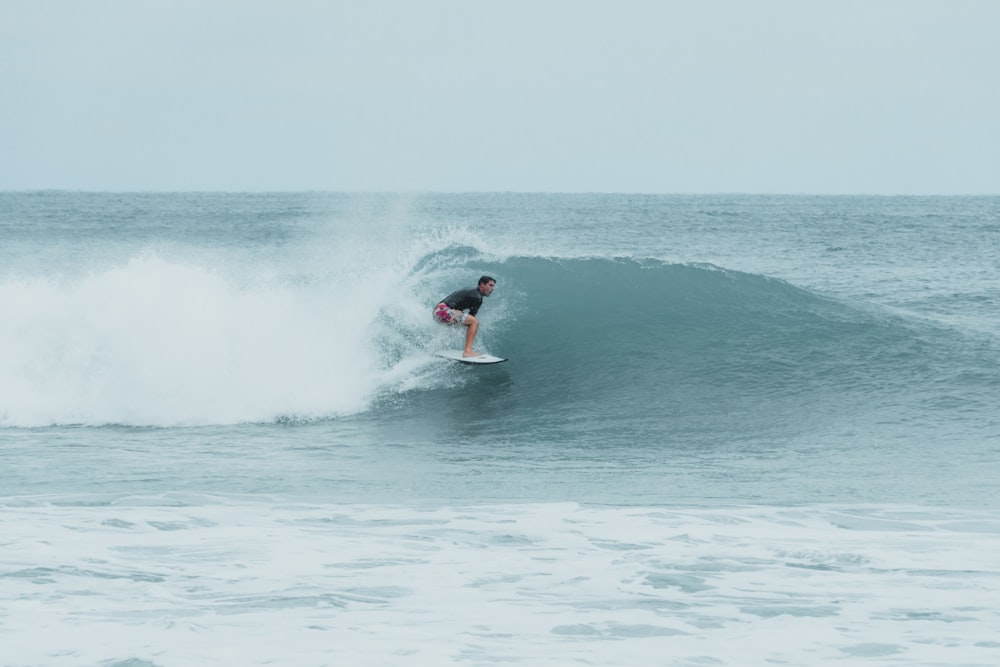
point(470, 353)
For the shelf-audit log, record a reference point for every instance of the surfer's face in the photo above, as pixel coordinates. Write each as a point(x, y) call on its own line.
point(487, 288)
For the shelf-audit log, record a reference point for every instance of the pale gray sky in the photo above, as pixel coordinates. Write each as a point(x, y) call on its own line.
point(773, 96)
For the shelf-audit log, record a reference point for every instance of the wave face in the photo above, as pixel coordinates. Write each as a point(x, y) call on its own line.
point(623, 350)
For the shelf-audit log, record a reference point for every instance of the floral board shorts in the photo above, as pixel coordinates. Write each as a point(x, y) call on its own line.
point(446, 315)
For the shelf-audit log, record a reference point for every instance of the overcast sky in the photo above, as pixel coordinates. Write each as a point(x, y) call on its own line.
point(659, 96)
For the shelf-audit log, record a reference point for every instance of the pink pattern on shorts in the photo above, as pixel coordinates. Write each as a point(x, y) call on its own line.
point(442, 313)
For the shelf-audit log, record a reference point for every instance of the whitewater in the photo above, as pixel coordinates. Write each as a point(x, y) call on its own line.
point(732, 430)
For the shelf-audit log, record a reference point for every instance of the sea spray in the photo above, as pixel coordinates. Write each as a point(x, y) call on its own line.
point(160, 343)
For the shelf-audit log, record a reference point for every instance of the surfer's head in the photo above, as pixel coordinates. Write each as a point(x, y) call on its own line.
point(486, 285)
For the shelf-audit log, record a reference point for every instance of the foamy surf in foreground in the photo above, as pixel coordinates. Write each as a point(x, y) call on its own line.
point(175, 581)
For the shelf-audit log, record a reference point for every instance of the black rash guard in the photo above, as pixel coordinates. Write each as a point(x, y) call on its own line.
point(464, 298)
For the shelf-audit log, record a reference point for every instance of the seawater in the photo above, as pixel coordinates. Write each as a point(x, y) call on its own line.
point(734, 430)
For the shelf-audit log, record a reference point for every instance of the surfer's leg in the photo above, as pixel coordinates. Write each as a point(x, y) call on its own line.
point(472, 328)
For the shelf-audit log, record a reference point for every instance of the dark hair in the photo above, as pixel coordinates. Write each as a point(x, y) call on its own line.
point(486, 279)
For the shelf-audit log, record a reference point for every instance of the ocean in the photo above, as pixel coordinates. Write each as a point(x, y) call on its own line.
point(733, 430)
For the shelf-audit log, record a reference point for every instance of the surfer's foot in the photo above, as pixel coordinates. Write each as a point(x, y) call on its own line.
point(470, 353)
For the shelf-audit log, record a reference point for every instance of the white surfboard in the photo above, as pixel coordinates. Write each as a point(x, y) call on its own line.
point(481, 359)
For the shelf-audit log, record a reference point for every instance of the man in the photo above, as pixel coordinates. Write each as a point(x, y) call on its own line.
point(451, 310)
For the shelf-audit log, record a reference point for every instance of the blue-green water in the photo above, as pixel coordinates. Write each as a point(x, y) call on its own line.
point(708, 390)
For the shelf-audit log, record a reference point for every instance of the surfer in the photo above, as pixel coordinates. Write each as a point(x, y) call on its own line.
point(451, 310)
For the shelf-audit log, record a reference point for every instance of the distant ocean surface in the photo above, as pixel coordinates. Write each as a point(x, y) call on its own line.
point(733, 430)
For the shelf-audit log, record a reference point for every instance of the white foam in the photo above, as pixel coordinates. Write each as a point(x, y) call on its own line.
point(541, 584)
point(166, 343)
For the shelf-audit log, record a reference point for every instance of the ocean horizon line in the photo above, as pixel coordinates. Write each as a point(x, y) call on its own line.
point(637, 193)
